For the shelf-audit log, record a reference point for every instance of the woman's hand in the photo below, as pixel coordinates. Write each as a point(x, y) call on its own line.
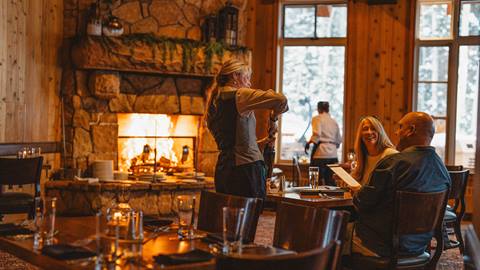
point(346, 166)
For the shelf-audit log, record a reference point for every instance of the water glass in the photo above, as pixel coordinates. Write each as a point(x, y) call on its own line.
point(313, 175)
point(135, 225)
point(44, 222)
point(233, 227)
point(185, 210)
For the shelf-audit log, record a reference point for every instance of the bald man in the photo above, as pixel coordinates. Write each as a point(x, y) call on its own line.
point(416, 168)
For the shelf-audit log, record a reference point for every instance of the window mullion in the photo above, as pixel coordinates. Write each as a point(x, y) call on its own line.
point(452, 88)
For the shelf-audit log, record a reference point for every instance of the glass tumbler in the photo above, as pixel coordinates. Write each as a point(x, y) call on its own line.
point(313, 177)
point(185, 210)
point(233, 227)
point(48, 221)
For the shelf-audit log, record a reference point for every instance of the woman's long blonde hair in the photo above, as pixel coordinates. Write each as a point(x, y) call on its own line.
point(383, 142)
point(221, 79)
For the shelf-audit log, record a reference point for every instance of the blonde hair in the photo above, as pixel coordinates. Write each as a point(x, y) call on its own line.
point(383, 142)
point(230, 67)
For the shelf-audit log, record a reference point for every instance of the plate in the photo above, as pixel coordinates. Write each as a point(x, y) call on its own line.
point(330, 190)
point(195, 255)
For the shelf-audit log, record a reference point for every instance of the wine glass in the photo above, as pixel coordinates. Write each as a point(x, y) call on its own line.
point(352, 159)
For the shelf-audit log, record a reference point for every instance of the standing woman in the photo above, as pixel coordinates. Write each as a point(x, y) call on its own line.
point(240, 168)
point(371, 145)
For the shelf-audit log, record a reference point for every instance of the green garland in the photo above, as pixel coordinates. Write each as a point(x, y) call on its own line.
point(167, 46)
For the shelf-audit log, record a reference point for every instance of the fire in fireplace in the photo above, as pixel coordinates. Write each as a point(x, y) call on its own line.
point(150, 143)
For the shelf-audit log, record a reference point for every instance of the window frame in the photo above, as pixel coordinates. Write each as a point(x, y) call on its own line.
point(314, 41)
point(454, 42)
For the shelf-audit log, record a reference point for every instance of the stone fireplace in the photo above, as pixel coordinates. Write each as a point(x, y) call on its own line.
point(114, 77)
point(151, 143)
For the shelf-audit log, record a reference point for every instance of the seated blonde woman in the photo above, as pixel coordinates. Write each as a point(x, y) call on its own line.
point(371, 145)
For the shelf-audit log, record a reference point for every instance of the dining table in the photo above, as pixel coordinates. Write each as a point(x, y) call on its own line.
point(76, 230)
point(315, 199)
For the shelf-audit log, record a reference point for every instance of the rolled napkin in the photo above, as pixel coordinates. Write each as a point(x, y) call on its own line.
point(67, 252)
point(103, 169)
point(192, 256)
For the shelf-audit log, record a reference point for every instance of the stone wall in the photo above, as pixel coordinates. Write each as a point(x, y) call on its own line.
point(172, 18)
point(78, 198)
point(93, 95)
point(91, 109)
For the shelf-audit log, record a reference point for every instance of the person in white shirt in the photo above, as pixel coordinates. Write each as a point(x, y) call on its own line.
point(371, 145)
point(326, 138)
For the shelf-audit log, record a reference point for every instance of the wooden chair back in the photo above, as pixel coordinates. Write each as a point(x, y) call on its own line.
point(454, 167)
point(309, 260)
point(471, 256)
point(457, 189)
point(301, 228)
point(210, 212)
point(23, 171)
point(417, 212)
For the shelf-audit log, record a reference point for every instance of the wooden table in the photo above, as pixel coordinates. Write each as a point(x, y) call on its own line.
point(72, 229)
point(311, 200)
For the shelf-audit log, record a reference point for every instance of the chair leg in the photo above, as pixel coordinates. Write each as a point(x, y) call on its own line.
point(458, 235)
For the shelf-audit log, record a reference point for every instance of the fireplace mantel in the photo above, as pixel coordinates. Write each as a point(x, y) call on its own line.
point(154, 55)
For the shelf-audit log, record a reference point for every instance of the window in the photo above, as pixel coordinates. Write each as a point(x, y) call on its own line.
point(447, 74)
point(312, 62)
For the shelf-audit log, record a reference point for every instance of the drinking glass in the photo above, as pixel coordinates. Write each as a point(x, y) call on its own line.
point(352, 159)
point(185, 210)
point(313, 174)
point(44, 221)
point(37, 223)
point(233, 223)
point(48, 222)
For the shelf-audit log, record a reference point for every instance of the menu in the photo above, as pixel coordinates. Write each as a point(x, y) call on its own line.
point(344, 175)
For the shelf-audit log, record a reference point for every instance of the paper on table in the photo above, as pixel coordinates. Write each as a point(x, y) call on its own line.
point(344, 175)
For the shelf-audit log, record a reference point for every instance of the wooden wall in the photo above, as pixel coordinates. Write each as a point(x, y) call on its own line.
point(31, 34)
point(379, 60)
point(379, 64)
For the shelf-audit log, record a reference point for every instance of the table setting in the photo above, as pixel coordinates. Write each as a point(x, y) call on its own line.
point(122, 236)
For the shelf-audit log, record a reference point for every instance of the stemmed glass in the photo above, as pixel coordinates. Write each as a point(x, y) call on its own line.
point(352, 159)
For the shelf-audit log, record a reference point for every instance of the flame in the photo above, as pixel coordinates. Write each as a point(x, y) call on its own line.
point(146, 128)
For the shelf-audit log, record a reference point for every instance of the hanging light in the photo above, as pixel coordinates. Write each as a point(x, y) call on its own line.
point(228, 24)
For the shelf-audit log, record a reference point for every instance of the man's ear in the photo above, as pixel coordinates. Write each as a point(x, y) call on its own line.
point(411, 130)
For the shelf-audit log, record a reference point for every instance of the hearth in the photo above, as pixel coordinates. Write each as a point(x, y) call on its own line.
point(168, 79)
point(151, 143)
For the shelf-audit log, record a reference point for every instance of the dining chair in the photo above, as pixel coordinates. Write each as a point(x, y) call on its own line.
point(23, 171)
point(210, 212)
point(301, 228)
point(454, 214)
point(471, 256)
point(315, 259)
point(410, 218)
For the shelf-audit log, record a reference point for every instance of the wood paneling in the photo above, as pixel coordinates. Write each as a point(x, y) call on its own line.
point(262, 36)
point(379, 64)
point(31, 35)
point(379, 60)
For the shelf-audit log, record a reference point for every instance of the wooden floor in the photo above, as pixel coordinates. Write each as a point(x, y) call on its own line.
point(450, 260)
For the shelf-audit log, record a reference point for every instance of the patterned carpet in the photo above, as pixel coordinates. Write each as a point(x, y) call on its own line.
point(450, 260)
